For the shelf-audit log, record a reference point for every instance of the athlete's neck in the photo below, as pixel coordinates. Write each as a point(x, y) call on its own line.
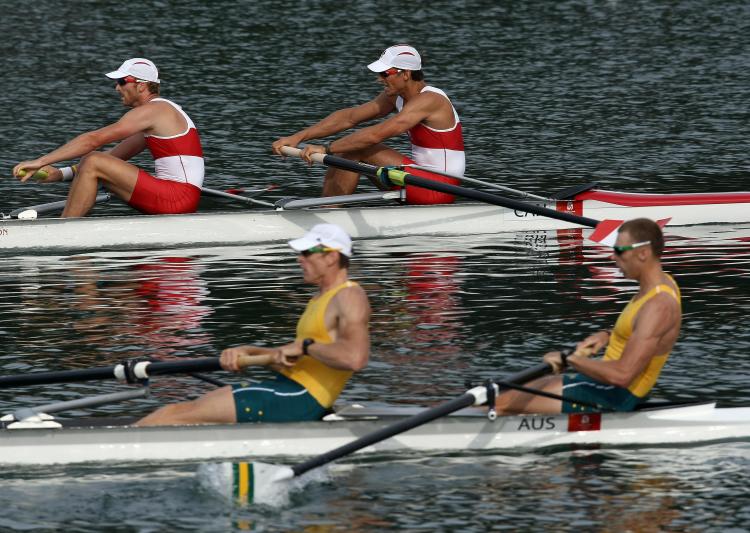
point(412, 89)
point(333, 279)
point(650, 278)
point(143, 100)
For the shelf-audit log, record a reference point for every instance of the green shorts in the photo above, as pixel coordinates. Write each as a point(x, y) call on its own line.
point(607, 397)
point(275, 400)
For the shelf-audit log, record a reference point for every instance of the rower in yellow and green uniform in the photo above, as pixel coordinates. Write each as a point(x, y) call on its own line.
point(331, 343)
point(611, 397)
point(306, 390)
point(637, 348)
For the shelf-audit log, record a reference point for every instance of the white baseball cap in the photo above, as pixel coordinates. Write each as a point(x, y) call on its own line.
point(138, 67)
point(329, 235)
point(400, 56)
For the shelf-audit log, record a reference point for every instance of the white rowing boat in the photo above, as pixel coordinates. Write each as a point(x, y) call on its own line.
point(261, 226)
point(40, 442)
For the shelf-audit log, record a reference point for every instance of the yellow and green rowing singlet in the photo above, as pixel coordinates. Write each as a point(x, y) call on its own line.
point(622, 331)
point(322, 382)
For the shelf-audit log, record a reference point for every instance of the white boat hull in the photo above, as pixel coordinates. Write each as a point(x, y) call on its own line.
point(467, 430)
point(252, 227)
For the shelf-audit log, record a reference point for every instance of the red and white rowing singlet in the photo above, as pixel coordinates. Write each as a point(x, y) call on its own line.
point(440, 149)
point(179, 157)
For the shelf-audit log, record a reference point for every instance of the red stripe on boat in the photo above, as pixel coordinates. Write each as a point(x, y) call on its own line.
point(643, 199)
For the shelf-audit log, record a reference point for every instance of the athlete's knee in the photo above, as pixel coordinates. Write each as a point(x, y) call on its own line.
point(91, 159)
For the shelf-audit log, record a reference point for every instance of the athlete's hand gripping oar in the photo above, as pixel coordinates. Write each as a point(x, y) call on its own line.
point(130, 371)
point(603, 229)
point(42, 174)
point(265, 483)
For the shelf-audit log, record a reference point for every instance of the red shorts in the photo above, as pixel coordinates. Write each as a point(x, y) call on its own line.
point(420, 196)
point(154, 196)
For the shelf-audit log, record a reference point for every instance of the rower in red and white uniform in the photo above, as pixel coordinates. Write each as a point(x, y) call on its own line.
point(154, 123)
point(424, 112)
point(440, 149)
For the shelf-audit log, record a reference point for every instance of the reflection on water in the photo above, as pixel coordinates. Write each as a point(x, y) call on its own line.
point(132, 308)
point(444, 310)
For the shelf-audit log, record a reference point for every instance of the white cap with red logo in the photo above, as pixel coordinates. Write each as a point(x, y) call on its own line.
point(138, 67)
point(401, 56)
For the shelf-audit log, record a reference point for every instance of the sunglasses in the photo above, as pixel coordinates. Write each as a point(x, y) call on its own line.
point(128, 79)
point(317, 250)
point(388, 72)
point(619, 250)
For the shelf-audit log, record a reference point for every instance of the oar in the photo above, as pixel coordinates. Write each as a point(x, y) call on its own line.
point(263, 483)
point(33, 211)
point(399, 177)
point(467, 179)
point(247, 199)
point(130, 371)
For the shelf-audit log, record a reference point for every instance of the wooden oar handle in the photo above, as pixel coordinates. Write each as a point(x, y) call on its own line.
point(586, 352)
point(296, 152)
point(255, 360)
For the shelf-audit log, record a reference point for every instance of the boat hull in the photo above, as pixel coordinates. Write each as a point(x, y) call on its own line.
point(254, 227)
point(466, 430)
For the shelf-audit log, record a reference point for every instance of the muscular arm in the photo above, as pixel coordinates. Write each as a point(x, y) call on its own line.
point(134, 122)
point(419, 109)
point(351, 349)
point(339, 121)
point(655, 320)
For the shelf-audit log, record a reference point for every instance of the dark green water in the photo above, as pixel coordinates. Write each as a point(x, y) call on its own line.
point(637, 95)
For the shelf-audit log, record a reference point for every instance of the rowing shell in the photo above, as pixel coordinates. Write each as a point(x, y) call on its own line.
point(262, 226)
point(107, 440)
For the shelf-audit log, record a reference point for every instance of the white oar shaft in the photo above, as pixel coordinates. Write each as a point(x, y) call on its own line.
point(230, 196)
point(31, 212)
point(467, 179)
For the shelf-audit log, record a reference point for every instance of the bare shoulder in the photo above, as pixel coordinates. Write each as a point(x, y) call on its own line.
point(147, 111)
point(660, 313)
point(160, 106)
point(352, 301)
point(428, 99)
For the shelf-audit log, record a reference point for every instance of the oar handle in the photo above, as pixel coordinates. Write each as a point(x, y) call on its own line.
point(584, 352)
point(291, 151)
point(38, 174)
point(264, 359)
